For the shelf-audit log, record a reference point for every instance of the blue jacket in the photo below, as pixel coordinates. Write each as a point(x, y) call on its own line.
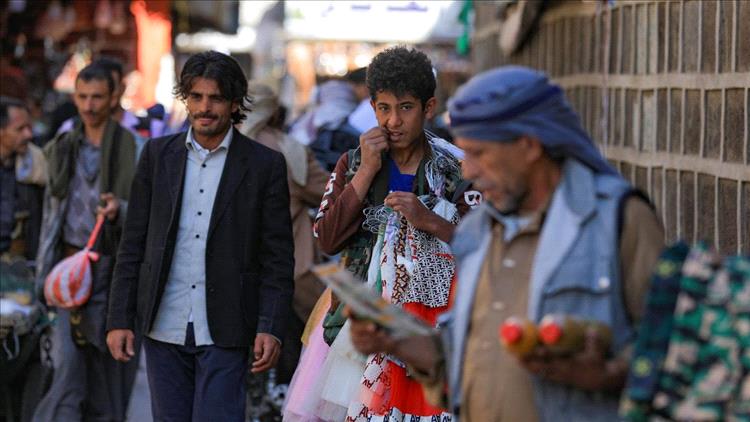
point(575, 271)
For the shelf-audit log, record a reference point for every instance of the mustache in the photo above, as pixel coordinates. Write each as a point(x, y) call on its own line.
point(205, 116)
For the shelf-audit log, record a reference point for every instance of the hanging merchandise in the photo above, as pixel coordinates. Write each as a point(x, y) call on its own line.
point(103, 14)
point(692, 356)
point(57, 21)
point(465, 17)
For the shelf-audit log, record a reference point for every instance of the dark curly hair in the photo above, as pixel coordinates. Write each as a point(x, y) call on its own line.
point(220, 68)
point(401, 71)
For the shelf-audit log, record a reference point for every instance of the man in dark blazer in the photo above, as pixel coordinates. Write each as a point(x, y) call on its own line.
point(205, 266)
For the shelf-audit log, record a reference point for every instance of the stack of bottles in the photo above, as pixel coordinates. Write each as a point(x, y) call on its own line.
point(557, 334)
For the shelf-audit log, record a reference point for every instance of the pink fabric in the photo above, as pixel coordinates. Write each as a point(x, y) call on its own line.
point(303, 397)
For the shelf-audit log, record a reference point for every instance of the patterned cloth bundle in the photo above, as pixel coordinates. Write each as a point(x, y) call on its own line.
point(692, 355)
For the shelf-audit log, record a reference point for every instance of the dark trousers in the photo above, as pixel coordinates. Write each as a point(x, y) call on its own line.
point(290, 350)
point(87, 384)
point(195, 383)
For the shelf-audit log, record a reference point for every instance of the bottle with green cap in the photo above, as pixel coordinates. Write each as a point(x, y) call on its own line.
point(518, 336)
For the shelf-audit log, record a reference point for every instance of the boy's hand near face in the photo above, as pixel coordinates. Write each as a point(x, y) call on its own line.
point(372, 144)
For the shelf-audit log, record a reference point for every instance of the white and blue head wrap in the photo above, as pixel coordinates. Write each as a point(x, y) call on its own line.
point(503, 104)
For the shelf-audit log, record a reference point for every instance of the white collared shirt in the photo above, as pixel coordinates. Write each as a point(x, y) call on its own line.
point(184, 298)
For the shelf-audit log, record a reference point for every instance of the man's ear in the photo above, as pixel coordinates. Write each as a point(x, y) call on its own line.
point(534, 148)
point(114, 100)
point(429, 108)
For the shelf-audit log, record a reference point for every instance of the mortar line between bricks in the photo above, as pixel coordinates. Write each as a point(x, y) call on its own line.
point(654, 18)
point(682, 121)
point(708, 81)
point(634, 39)
point(735, 17)
point(668, 119)
point(681, 38)
point(650, 181)
point(664, 196)
point(679, 205)
point(620, 35)
point(700, 37)
point(741, 223)
point(692, 163)
point(638, 129)
point(746, 106)
point(667, 23)
point(717, 241)
point(722, 123)
point(717, 44)
point(696, 198)
point(702, 135)
point(623, 117)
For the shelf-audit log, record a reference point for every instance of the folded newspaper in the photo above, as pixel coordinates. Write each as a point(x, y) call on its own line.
point(368, 304)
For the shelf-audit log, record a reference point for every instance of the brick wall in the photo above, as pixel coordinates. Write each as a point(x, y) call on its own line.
point(662, 86)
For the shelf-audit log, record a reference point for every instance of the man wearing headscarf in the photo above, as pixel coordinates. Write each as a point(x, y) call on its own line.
point(559, 232)
point(325, 128)
point(307, 181)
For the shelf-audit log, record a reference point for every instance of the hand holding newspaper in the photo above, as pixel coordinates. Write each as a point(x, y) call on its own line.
point(368, 304)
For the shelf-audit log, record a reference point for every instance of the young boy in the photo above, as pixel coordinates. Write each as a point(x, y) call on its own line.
point(388, 209)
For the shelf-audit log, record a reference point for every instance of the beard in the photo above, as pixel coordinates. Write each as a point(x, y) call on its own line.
point(512, 199)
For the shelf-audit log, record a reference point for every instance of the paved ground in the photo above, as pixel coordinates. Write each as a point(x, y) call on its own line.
point(139, 409)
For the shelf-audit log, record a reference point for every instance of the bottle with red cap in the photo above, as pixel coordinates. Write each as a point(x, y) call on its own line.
point(518, 336)
point(565, 335)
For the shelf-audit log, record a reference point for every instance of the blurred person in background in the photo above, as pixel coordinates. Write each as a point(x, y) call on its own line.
point(14, 82)
point(23, 176)
point(38, 120)
point(363, 117)
point(64, 111)
point(324, 128)
point(143, 128)
point(307, 181)
point(91, 168)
